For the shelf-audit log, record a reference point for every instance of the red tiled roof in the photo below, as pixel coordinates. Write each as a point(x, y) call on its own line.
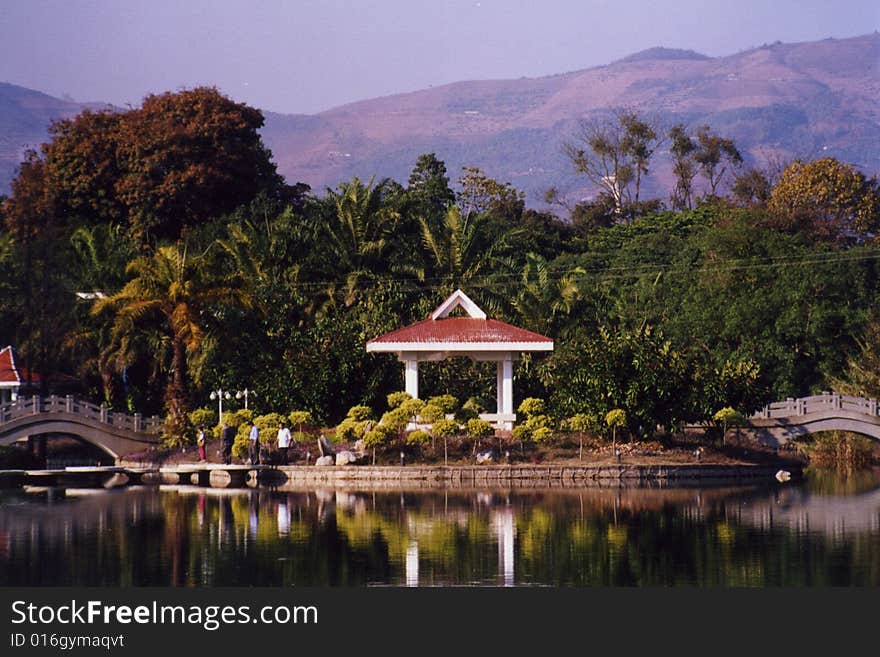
point(460, 329)
point(8, 373)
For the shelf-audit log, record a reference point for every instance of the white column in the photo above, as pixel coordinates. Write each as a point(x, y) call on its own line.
point(412, 377)
point(500, 390)
point(507, 385)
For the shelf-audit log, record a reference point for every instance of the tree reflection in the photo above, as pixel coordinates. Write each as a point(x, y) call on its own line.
point(190, 536)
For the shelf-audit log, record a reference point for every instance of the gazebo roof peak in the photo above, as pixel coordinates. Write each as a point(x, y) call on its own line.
point(458, 299)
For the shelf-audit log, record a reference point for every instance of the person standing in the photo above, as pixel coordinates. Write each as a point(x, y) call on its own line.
point(254, 444)
point(228, 438)
point(283, 442)
point(200, 442)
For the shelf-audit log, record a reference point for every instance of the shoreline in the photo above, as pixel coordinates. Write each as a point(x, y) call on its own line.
point(414, 476)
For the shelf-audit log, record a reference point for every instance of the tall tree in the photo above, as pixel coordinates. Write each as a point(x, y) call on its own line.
point(682, 149)
point(428, 187)
point(714, 155)
point(614, 153)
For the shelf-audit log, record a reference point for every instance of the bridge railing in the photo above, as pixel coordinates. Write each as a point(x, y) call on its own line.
point(827, 401)
point(24, 406)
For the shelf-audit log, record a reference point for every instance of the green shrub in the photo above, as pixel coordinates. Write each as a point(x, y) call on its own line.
point(299, 418)
point(542, 434)
point(205, 417)
point(418, 437)
point(379, 436)
point(359, 413)
point(522, 433)
point(395, 399)
point(446, 403)
point(531, 406)
point(479, 429)
point(583, 423)
point(350, 430)
point(412, 407)
point(431, 413)
point(446, 428)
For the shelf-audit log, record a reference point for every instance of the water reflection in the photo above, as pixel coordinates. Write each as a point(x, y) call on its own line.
point(191, 536)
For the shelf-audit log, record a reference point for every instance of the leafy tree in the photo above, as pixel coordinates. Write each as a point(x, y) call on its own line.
point(615, 419)
point(636, 371)
point(378, 436)
point(480, 194)
point(728, 416)
point(583, 423)
point(752, 187)
point(478, 429)
point(428, 188)
point(175, 162)
point(827, 198)
point(446, 429)
point(861, 377)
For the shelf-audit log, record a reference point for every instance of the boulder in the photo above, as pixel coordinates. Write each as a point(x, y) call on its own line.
point(347, 458)
point(324, 461)
point(359, 446)
point(325, 447)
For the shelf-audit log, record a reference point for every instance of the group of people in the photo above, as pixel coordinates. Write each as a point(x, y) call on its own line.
point(227, 439)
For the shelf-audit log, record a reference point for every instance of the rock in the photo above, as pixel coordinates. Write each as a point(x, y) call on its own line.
point(325, 447)
point(359, 446)
point(485, 457)
point(324, 461)
point(347, 458)
point(783, 475)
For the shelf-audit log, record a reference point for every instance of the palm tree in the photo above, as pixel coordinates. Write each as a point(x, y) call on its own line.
point(172, 296)
point(461, 253)
point(545, 294)
point(359, 232)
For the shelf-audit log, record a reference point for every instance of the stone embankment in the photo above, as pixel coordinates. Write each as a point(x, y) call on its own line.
point(524, 476)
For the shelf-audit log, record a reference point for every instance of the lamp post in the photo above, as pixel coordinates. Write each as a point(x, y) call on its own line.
point(244, 393)
point(219, 394)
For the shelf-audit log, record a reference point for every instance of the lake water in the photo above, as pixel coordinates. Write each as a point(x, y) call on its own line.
point(818, 533)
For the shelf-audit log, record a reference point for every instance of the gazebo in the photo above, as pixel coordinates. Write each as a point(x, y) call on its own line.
point(442, 336)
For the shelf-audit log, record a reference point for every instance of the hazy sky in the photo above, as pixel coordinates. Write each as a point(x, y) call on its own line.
point(310, 55)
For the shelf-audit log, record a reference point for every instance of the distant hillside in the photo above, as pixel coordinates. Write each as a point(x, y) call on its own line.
point(776, 101)
point(662, 54)
point(780, 100)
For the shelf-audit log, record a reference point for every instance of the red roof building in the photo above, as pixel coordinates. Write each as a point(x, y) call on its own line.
point(13, 379)
point(10, 381)
point(474, 336)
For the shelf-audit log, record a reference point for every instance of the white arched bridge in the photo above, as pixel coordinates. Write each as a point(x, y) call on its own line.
point(117, 434)
point(780, 422)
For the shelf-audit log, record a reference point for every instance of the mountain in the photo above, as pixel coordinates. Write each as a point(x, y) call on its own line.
point(777, 101)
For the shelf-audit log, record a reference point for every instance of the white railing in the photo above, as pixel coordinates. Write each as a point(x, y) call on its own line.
point(26, 406)
point(827, 401)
